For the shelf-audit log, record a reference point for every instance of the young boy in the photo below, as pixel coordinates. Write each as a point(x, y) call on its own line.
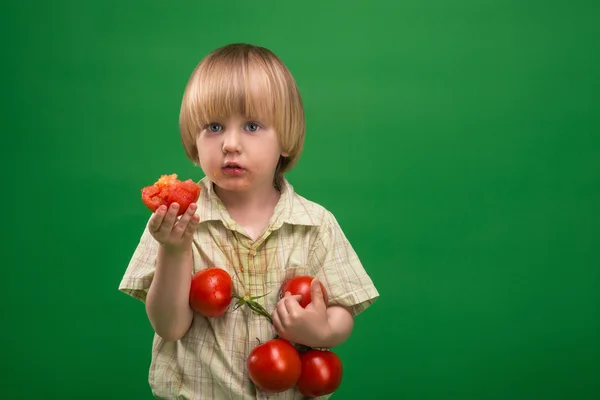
point(242, 121)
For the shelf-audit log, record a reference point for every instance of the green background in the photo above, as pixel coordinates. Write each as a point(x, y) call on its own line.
point(457, 143)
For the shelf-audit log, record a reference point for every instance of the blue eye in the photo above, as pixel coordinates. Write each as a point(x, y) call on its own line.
point(214, 127)
point(252, 127)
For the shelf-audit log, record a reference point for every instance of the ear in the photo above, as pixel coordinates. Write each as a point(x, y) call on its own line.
point(285, 154)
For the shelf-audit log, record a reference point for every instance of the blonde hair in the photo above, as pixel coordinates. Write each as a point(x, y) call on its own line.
point(220, 85)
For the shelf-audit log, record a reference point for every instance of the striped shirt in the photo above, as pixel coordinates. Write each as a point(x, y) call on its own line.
point(302, 238)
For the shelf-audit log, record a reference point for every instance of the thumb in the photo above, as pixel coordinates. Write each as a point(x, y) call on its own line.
point(316, 293)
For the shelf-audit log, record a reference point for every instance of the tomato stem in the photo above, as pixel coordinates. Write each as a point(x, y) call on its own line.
point(251, 302)
point(253, 305)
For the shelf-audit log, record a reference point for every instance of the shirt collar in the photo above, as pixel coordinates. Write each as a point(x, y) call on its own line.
point(291, 208)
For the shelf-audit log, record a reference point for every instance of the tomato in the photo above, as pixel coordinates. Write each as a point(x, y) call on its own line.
point(321, 373)
point(211, 292)
point(167, 190)
point(274, 366)
point(301, 285)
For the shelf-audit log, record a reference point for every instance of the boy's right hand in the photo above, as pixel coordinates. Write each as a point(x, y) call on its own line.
point(174, 234)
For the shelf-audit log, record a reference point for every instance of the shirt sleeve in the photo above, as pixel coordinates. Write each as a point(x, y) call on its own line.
point(340, 270)
point(140, 271)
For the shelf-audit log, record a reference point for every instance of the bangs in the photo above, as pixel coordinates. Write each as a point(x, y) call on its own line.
point(226, 86)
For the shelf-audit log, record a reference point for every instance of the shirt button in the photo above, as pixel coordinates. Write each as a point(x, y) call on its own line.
point(252, 252)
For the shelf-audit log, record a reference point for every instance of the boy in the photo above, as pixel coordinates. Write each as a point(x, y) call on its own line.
point(242, 121)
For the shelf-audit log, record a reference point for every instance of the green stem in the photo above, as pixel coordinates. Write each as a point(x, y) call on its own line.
point(251, 302)
point(253, 305)
point(260, 310)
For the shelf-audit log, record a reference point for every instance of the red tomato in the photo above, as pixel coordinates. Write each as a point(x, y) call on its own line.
point(301, 285)
point(274, 366)
point(321, 373)
point(167, 190)
point(211, 292)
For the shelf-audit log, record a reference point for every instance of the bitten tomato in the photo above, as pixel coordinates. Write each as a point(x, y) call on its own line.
point(167, 190)
point(301, 285)
point(274, 366)
point(211, 292)
point(321, 373)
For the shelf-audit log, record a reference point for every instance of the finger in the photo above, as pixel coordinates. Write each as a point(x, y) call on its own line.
point(282, 313)
point(170, 217)
point(292, 305)
point(316, 294)
point(289, 294)
point(192, 226)
point(157, 219)
point(278, 325)
point(277, 322)
point(298, 297)
point(182, 223)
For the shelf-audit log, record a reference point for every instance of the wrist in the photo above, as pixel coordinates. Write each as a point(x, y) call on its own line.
point(174, 251)
point(171, 256)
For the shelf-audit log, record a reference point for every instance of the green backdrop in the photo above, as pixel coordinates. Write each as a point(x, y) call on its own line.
point(457, 143)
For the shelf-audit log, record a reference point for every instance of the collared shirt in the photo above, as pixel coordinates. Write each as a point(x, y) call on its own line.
point(302, 238)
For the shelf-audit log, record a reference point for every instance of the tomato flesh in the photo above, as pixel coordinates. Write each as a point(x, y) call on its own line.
point(168, 190)
point(211, 292)
point(301, 285)
point(321, 373)
point(274, 366)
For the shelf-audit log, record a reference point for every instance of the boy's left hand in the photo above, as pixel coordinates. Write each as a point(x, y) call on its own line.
point(308, 326)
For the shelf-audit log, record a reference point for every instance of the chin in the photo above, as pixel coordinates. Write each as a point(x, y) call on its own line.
point(231, 185)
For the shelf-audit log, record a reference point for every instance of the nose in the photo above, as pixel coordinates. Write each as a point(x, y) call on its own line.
point(232, 142)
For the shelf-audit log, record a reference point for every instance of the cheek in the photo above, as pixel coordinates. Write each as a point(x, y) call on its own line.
point(206, 160)
point(267, 162)
point(206, 150)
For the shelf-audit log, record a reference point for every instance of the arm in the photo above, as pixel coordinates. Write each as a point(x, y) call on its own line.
point(340, 325)
point(167, 303)
point(351, 292)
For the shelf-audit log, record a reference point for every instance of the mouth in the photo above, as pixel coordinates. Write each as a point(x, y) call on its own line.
point(232, 165)
point(232, 168)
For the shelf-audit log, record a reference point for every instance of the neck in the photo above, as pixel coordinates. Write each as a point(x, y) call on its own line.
point(250, 199)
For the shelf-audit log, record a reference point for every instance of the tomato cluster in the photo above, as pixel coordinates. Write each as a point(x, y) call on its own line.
point(276, 365)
